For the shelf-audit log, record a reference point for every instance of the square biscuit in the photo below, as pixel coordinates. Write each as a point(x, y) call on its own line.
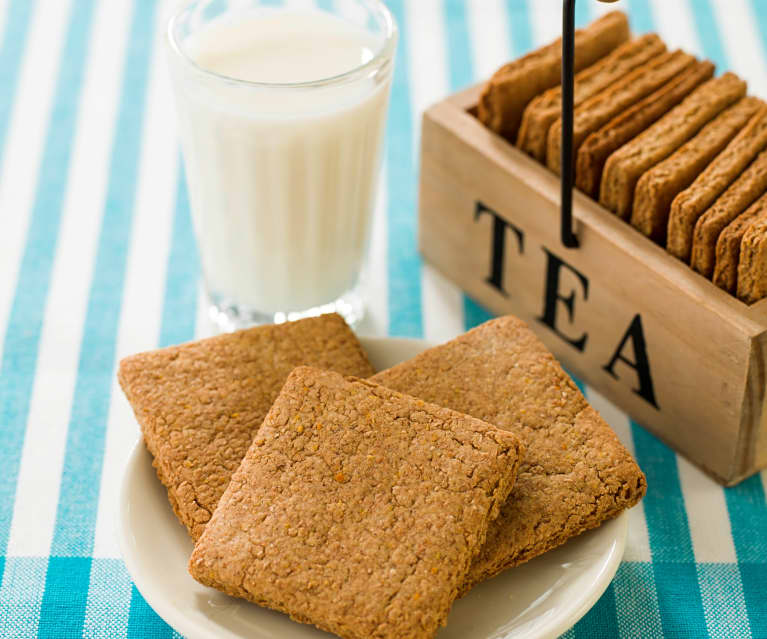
point(752, 268)
point(200, 404)
point(707, 253)
point(594, 113)
point(709, 189)
point(544, 110)
point(624, 167)
point(575, 475)
point(512, 87)
point(596, 148)
point(357, 509)
point(657, 188)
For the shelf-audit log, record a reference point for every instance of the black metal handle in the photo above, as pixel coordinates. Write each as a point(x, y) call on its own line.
point(569, 238)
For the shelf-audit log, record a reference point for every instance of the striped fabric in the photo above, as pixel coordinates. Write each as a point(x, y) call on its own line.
point(97, 260)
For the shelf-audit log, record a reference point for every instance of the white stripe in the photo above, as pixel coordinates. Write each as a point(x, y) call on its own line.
point(28, 124)
point(638, 542)
point(676, 25)
point(742, 42)
point(37, 490)
point(142, 303)
point(546, 20)
point(376, 291)
point(427, 60)
point(598, 9)
point(428, 72)
point(488, 31)
point(300, 4)
point(203, 325)
point(707, 515)
point(3, 17)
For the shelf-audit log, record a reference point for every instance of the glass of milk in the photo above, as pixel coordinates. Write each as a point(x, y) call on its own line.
point(282, 109)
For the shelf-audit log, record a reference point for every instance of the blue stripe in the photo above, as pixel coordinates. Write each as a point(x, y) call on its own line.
point(78, 499)
point(748, 517)
point(109, 592)
point(582, 13)
point(404, 263)
point(12, 49)
point(600, 621)
point(474, 314)
point(640, 15)
point(520, 27)
point(66, 594)
point(326, 5)
point(22, 338)
point(144, 622)
point(679, 598)
point(179, 309)
point(708, 30)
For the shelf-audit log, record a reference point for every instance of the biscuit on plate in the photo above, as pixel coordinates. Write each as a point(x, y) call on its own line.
point(624, 167)
point(200, 404)
point(658, 187)
point(357, 509)
point(596, 148)
point(597, 111)
point(544, 110)
point(575, 475)
point(694, 202)
point(511, 88)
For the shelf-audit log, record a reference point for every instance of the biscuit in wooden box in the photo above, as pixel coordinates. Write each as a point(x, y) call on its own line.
point(620, 312)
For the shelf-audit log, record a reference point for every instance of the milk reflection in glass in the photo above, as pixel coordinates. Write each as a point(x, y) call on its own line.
point(282, 115)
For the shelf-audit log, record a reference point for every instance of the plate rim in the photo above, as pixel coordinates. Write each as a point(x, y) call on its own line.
point(175, 618)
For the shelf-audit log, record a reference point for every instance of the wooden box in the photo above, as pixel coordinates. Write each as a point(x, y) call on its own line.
point(682, 357)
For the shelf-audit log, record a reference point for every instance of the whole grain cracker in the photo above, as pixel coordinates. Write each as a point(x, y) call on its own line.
point(624, 167)
point(598, 146)
point(752, 268)
point(729, 245)
point(658, 187)
point(597, 111)
point(544, 110)
point(357, 509)
point(576, 474)
point(200, 404)
point(734, 201)
point(512, 87)
point(688, 207)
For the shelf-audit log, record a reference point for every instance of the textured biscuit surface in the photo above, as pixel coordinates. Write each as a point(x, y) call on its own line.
point(513, 86)
point(200, 404)
point(657, 188)
point(357, 509)
point(752, 268)
point(544, 110)
point(749, 187)
point(598, 146)
point(575, 475)
point(606, 105)
point(692, 203)
point(624, 167)
point(729, 245)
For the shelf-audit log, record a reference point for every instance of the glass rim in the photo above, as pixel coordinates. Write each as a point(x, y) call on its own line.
point(381, 57)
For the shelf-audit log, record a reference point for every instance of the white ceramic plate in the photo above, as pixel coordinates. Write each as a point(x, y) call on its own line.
point(542, 598)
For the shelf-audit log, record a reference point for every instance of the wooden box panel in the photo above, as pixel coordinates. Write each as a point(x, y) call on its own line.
point(683, 358)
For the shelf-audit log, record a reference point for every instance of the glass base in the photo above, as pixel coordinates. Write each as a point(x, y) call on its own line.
point(228, 316)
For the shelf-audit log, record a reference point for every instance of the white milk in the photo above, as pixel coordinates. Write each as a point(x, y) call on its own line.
point(281, 180)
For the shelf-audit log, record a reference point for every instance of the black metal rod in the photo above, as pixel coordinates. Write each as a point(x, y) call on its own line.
point(568, 106)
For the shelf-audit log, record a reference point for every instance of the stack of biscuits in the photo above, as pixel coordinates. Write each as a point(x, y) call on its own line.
point(658, 141)
point(365, 503)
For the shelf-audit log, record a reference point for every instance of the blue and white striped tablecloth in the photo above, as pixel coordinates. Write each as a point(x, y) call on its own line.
point(97, 260)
